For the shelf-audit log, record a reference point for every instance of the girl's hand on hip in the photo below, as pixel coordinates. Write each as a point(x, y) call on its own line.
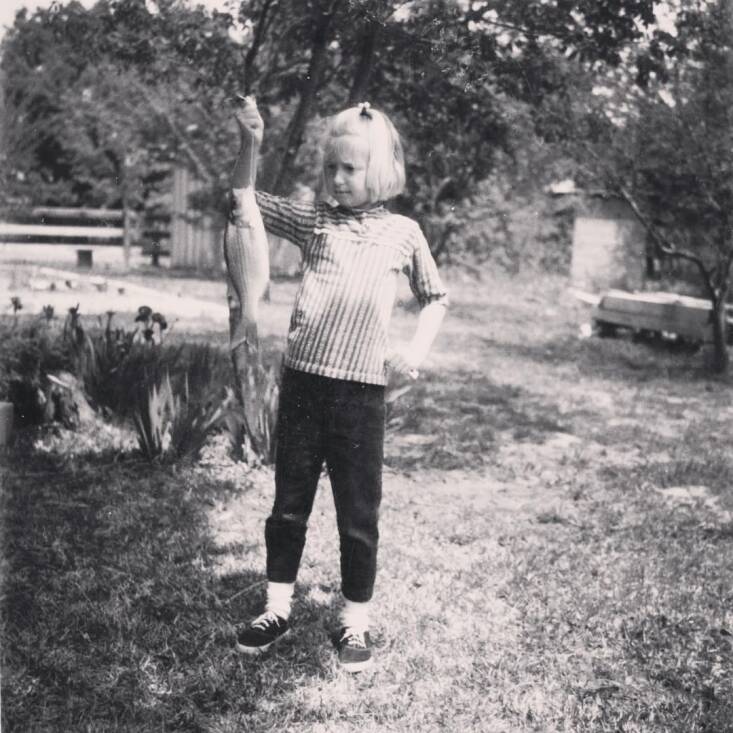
point(248, 118)
point(404, 363)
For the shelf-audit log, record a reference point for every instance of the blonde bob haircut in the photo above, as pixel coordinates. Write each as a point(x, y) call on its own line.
point(385, 174)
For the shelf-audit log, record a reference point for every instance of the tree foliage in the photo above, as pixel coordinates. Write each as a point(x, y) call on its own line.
point(100, 101)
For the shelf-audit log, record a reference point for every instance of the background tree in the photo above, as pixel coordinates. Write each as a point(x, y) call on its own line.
point(667, 149)
point(470, 86)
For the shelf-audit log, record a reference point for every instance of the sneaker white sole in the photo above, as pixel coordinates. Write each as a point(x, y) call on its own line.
point(253, 651)
point(353, 667)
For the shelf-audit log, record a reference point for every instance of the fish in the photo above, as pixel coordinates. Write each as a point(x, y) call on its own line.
point(247, 258)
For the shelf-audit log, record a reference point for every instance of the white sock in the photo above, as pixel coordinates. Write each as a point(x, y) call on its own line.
point(355, 614)
point(279, 598)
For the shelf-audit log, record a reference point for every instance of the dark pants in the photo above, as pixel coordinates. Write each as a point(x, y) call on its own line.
point(342, 423)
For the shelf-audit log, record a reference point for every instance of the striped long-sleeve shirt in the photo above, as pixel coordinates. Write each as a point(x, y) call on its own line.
point(351, 261)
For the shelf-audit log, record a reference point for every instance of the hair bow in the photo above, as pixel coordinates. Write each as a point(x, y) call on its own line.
point(364, 108)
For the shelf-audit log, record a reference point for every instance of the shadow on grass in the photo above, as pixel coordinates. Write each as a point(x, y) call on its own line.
point(690, 462)
point(623, 359)
point(458, 415)
point(113, 617)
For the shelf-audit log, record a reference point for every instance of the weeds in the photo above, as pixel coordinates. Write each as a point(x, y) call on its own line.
point(16, 305)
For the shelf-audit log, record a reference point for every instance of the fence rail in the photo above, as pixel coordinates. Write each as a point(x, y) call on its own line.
point(82, 229)
point(31, 233)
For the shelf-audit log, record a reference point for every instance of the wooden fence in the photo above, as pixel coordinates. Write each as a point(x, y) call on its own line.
point(193, 239)
point(75, 229)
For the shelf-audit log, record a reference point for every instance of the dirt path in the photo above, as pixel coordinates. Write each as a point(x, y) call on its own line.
point(531, 348)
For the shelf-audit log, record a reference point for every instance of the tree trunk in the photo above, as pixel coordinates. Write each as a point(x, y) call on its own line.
point(309, 89)
point(721, 358)
point(363, 72)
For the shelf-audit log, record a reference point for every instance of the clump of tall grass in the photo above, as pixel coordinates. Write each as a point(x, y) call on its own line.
point(174, 425)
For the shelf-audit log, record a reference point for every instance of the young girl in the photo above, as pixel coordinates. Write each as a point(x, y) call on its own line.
point(332, 394)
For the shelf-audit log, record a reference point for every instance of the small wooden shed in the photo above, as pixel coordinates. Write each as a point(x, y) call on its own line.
point(609, 247)
point(195, 236)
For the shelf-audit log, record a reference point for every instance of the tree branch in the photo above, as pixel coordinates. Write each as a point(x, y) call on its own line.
point(727, 267)
point(261, 26)
point(662, 245)
point(702, 181)
point(477, 15)
point(443, 186)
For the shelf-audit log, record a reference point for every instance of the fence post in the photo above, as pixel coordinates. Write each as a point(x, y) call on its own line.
point(126, 234)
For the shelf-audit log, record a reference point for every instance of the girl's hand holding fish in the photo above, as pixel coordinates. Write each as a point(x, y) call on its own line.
point(248, 118)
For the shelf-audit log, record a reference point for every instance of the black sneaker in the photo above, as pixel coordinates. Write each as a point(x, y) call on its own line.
point(355, 649)
point(262, 633)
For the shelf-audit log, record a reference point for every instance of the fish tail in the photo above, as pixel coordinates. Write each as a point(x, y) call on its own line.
point(245, 332)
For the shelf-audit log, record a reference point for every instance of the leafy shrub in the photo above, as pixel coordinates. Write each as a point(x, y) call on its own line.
point(206, 369)
point(512, 229)
point(30, 351)
point(99, 360)
point(173, 393)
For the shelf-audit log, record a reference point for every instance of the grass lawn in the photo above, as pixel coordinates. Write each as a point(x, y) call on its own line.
point(556, 554)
